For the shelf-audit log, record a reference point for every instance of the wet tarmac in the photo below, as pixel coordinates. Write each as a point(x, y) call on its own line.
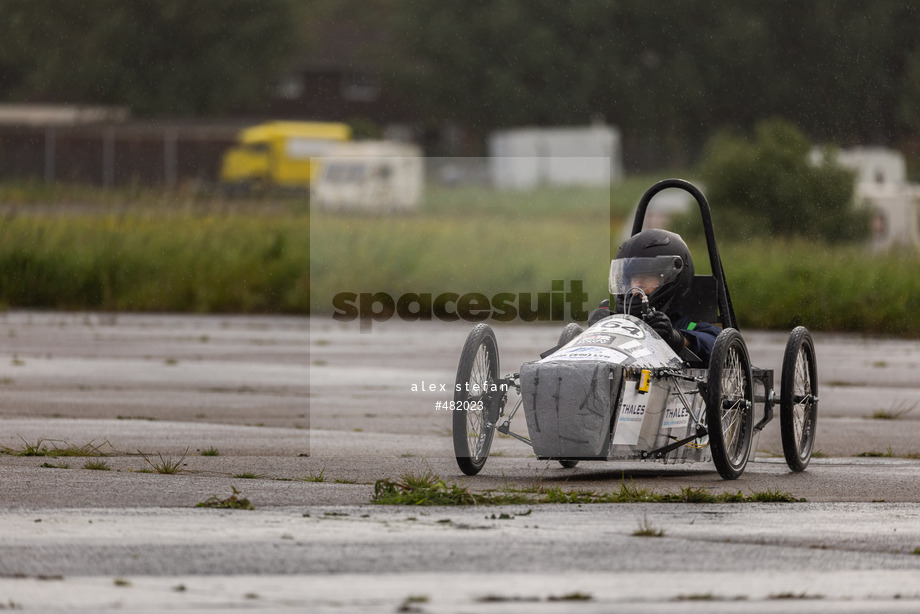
point(264, 392)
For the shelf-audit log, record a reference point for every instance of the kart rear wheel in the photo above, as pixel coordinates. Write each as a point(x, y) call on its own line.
point(798, 399)
point(730, 404)
point(476, 407)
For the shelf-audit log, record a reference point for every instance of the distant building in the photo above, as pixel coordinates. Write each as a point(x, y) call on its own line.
point(881, 184)
point(525, 158)
point(877, 165)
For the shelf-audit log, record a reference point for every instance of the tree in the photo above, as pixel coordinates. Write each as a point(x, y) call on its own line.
point(667, 73)
point(767, 185)
point(155, 56)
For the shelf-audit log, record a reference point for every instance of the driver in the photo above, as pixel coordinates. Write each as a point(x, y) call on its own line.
point(653, 269)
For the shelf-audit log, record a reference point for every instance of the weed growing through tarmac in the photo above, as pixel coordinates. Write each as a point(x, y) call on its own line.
point(794, 596)
point(61, 465)
point(425, 489)
point(696, 597)
point(249, 476)
point(40, 448)
point(316, 477)
point(428, 489)
point(647, 529)
point(167, 465)
point(772, 496)
point(97, 465)
point(895, 412)
point(576, 596)
point(233, 502)
point(411, 603)
point(503, 599)
point(211, 451)
point(887, 454)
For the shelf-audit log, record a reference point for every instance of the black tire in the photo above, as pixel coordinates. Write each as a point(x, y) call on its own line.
point(730, 404)
point(478, 367)
point(798, 399)
point(568, 333)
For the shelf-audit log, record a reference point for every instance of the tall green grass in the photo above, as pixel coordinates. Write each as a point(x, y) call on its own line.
point(434, 255)
point(775, 284)
point(587, 204)
point(162, 262)
point(781, 284)
point(274, 258)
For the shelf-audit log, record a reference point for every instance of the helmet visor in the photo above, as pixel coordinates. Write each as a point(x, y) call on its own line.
point(629, 275)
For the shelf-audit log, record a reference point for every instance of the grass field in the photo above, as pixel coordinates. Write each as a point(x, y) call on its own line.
point(81, 248)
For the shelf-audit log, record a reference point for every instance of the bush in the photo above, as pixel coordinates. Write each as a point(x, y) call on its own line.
point(768, 187)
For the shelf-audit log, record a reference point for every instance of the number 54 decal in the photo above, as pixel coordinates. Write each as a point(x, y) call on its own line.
point(622, 326)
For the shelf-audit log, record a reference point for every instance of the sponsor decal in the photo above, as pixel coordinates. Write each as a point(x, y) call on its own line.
point(636, 349)
point(675, 415)
point(629, 418)
point(596, 339)
point(588, 353)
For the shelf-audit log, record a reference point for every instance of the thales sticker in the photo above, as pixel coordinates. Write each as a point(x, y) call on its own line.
point(675, 416)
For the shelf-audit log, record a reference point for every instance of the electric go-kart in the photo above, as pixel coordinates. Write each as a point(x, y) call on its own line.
point(617, 391)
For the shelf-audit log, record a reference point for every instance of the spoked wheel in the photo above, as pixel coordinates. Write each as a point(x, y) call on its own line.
point(798, 399)
point(570, 331)
point(730, 404)
point(476, 407)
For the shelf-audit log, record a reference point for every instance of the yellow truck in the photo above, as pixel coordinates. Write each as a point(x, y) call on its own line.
point(278, 155)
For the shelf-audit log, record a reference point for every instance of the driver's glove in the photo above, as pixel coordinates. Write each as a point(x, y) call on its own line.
point(661, 324)
point(597, 315)
point(603, 311)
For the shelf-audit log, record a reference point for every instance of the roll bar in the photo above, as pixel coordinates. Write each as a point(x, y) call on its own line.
point(726, 311)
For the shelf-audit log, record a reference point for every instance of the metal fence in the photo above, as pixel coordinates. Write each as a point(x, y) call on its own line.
point(115, 154)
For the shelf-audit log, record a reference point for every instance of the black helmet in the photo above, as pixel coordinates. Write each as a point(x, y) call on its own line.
point(651, 254)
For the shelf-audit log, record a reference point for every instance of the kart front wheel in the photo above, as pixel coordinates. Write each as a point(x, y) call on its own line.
point(730, 404)
point(476, 403)
point(798, 399)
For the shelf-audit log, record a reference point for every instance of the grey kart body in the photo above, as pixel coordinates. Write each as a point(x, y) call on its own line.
point(590, 400)
point(617, 391)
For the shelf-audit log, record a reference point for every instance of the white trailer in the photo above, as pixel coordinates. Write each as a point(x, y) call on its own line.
point(526, 158)
point(372, 176)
